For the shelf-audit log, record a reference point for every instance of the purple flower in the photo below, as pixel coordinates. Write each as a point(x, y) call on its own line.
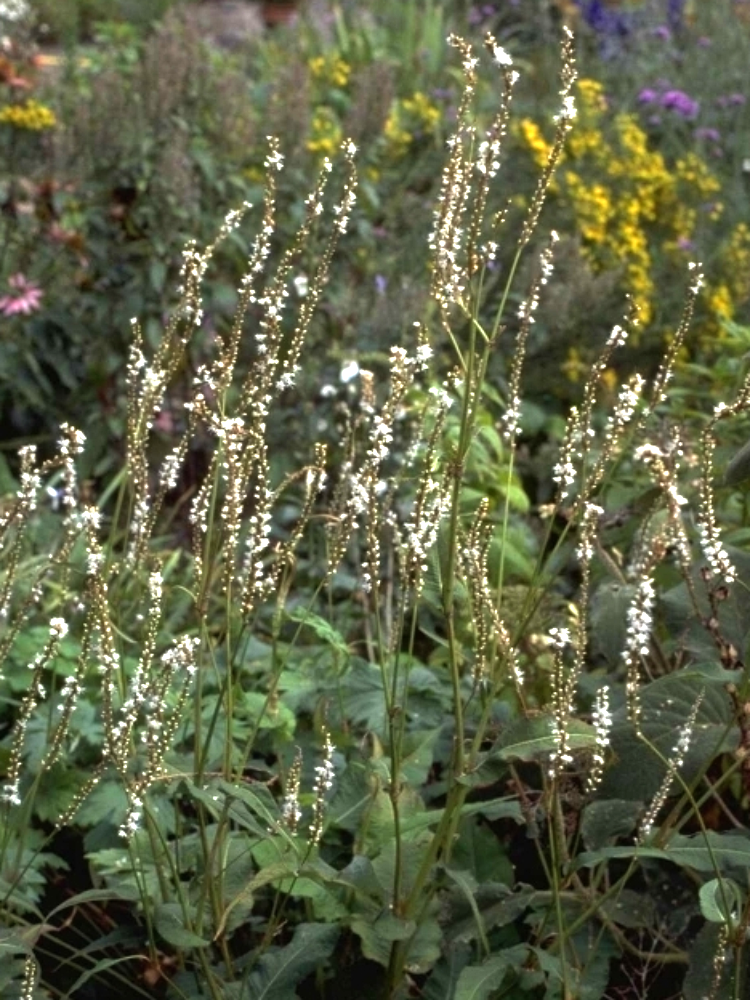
point(704, 42)
point(675, 10)
point(707, 134)
point(381, 283)
point(603, 20)
point(648, 96)
point(663, 33)
point(730, 100)
point(684, 243)
point(680, 102)
point(478, 15)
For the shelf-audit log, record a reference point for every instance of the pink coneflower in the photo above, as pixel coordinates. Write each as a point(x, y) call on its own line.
point(24, 298)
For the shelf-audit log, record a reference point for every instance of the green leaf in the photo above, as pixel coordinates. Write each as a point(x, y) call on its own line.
point(238, 868)
point(94, 896)
point(608, 619)
point(278, 972)
point(57, 790)
point(594, 955)
point(354, 790)
point(606, 820)
point(107, 802)
point(492, 809)
point(442, 983)
point(380, 825)
point(529, 738)
point(285, 873)
point(516, 495)
point(360, 875)
point(101, 966)
point(699, 851)
point(467, 885)
point(378, 936)
point(257, 797)
point(721, 901)
point(169, 921)
point(480, 852)
point(322, 629)
point(498, 906)
point(629, 909)
point(362, 695)
point(478, 982)
point(417, 757)
point(636, 772)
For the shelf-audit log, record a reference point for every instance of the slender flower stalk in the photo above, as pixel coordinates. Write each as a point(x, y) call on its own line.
point(324, 775)
point(675, 762)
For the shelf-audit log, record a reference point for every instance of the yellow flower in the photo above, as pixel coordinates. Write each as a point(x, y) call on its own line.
point(532, 136)
point(693, 171)
point(624, 197)
point(584, 142)
point(330, 70)
point(720, 302)
point(592, 205)
point(574, 367)
point(591, 95)
point(406, 118)
point(735, 261)
point(325, 133)
point(31, 116)
point(420, 107)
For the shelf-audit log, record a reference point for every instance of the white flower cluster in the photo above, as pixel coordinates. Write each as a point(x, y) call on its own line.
point(627, 401)
point(602, 719)
point(58, 628)
point(559, 638)
point(640, 621)
point(568, 108)
point(675, 762)
point(488, 157)
point(720, 564)
point(257, 579)
point(501, 56)
point(324, 775)
point(589, 523)
point(574, 446)
point(31, 483)
point(342, 211)
point(290, 808)
point(652, 455)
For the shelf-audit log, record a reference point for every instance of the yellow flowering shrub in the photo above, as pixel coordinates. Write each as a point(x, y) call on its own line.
point(633, 209)
point(325, 133)
point(735, 260)
point(330, 75)
point(30, 116)
point(330, 70)
point(409, 117)
point(535, 141)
